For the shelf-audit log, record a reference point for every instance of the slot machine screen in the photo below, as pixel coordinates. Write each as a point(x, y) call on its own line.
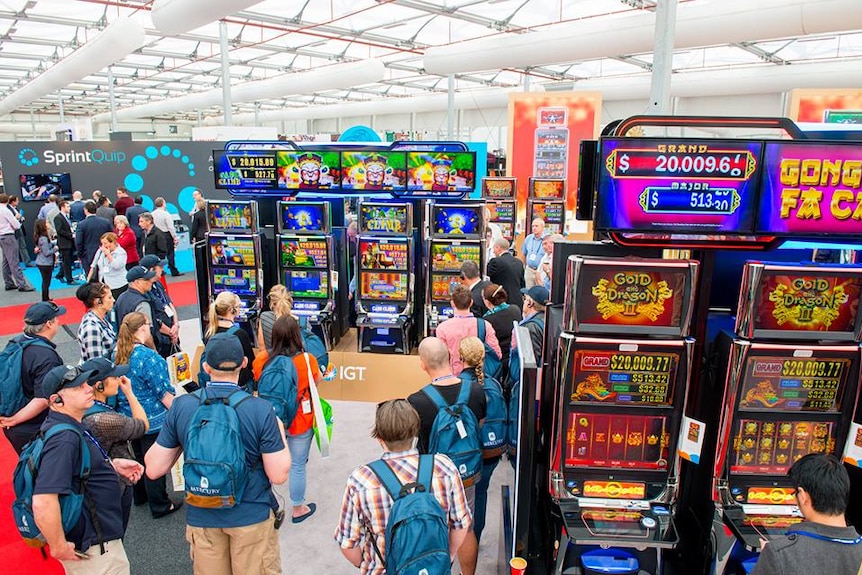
point(312, 284)
point(597, 440)
point(457, 221)
point(231, 217)
point(241, 281)
point(232, 251)
point(303, 216)
point(614, 523)
point(442, 286)
point(613, 377)
point(389, 219)
point(373, 171)
point(770, 447)
point(309, 170)
point(448, 257)
point(499, 188)
point(500, 211)
point(383, 286)
point(383, 254)
point(551, 213)
point(304, 253)
point(441, 172)
point(550, 189)
point(782, 383)
point(40, 186)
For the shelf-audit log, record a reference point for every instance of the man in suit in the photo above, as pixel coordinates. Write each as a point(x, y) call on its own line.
point(132, 214)
point(77, 214)
point(508, 271)
point(88, 236)
point(65, 241)
point(155, 240)
point(470, 278)
point(105, 210)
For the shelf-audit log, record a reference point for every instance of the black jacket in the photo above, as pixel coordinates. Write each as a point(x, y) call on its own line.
point(156, 242)
point(199, 226)
point(478, 308)
point(132, 215)
point(65, 239)
point(88, 238)
point(508, 271)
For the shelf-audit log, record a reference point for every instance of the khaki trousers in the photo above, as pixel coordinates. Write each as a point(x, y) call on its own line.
point(248, 550)
point(113, 562)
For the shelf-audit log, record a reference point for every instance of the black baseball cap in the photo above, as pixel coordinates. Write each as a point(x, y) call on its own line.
point(224, 352)
point(64, 377)
point(103, 368)
point(42, 312)
point(139, 273)
point(538, 294)
point(152, 261)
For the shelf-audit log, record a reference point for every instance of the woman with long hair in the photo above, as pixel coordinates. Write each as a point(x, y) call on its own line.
point(96, 334)
point(46, 251)
point(127, 240)
point(110, 264)
point(280, 303)
point(501, 316)
point(287, 341)
point(151, 384)
point(222, 318)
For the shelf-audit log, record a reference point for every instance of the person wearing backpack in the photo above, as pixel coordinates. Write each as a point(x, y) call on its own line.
point(381, 531)
point(75, 485)
point(23, 365)
point(221, 317)
point(451, 411)
point(234, 450)
point(465, 324)
point(285, 382)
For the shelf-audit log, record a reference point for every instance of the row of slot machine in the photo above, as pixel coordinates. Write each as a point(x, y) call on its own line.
point(546, 200)
point(788, 379)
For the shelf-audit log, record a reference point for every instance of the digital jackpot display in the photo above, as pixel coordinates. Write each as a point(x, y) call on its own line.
point(547, 189)
point(623, 378)
point(303, 216)
point(458, 221)
point(448, 257)
point(777, 383)
point(500, 211)
point(227, 217)
point(811, 188)
point(383, 286)
point(808, 303)
point(307, 284)
point(309, 170)
point(771, 447)
point(551, 213)
point(384, 219)
point(498, 188)
point(241, 281)
point(383, 255)
point(438, 172)
point(232, 251)
point(618, 441)
point(304, 253)
point(678, 186)
point(372, 170)
point(249, 169)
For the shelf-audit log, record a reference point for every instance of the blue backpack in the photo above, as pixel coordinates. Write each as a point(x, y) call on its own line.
point(24, 482)
point(417, 531)
point(492, 364)
point(279, 385)
point(12, 396)
point(494, 429)
point(204, 377)
point(455, 432)
point(215, 467)
point(314, 345)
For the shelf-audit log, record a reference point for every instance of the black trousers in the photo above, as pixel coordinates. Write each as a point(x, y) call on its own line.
point(172, 256)
point(152, 491)
point(45, 271)
point(66, 259)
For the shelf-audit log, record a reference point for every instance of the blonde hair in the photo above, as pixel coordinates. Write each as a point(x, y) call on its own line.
point(280, 300)
point(109, 237)
point(221, 306)
point(472, 352)
point(126, 336)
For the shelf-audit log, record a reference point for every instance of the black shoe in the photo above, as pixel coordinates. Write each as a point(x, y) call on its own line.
point(26, 288)
point(10, 288)
point(174, 507)
point(60, 277)
point(177, 274)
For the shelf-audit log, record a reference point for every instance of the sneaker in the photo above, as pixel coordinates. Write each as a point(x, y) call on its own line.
point(26, 288)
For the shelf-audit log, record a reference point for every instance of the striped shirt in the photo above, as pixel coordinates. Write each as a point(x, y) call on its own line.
point(367, 504)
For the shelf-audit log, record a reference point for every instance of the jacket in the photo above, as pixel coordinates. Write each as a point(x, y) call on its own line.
point(507, 271)
point(65, 239)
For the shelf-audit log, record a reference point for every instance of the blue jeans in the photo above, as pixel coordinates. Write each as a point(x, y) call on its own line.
point(299, 445)
point(488, 467)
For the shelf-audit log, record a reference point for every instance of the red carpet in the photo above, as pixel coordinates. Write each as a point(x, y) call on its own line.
point(182, 292)
point(17, 558)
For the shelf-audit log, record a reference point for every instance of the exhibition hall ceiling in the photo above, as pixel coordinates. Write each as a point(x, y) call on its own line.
point(275, 38)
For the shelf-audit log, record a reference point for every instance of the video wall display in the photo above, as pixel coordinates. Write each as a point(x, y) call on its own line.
point(304, 253)
point(241, 281)
point(378, 254)
point(430, 172)
point(499, 188)
point(776, 383)
point(373, 171)
point(231, 217)
point(552, 213)
point(383, 286)
point(303, 216)
point(442, 286)
point(547, 189)
point(40, 186)
point(771, 447)
point(622, 378)
point(312, 284)
point(448, 257)
point(311, 170)
point(457, 221)
point(391, 219)
point(627, 442)
point(232, 251)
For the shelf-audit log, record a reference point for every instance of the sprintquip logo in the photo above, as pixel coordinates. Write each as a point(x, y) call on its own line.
point(28, 157)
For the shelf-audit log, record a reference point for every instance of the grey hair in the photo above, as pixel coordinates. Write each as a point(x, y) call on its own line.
point(501, 243)
point(32, 330)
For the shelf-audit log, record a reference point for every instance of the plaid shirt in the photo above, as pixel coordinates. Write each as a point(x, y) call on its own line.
point(96, 337)
point(366, 503)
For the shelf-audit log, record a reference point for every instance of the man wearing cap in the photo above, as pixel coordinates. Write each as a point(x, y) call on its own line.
point(165, 319)
point(41, 324)
point(507, 271)
point(136, 297)
point(535, 300)
point(242, 538)
point(94, 546)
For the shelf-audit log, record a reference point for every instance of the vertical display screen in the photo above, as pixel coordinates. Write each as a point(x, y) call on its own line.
point(449, 257)
point(383, 255)
point(373, 171)
point(771, 447)
point(304, 253)
point(230, 217)
point(794, 383)
point(616, 441)
point(230, 251)
point(623, 378)
point(383, 286)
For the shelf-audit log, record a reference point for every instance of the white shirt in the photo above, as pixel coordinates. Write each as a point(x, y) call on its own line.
point(164, 221)
point(112, 273)
point(8, 222)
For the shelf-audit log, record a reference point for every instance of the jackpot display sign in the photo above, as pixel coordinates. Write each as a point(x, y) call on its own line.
point(384, 219)
point(227, 217)
point(304, 253)
point(371, 170)
point(808, 303)
point(383, 286)
point(794, 383)
point(596, 440)
point(551, 213)
point(383, 255)
point(248, 169)
point(623, 378)
point(811, 188)
point(448, 257)
point(678, 186)
point(232, 251)
point(771, 447)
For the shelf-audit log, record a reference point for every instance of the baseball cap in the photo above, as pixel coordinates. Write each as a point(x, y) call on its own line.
point(64, 377)
point(538, 294)
point(152, 261)
point(224, 352)
point(102, 368)
point(139, 273)
point(43, 311)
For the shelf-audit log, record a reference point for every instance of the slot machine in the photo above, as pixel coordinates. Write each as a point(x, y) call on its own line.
point(233, 255)
point(384, 300)
point(499, 196)
point(305, 260)
point(622, 371)
point(455, 235)
point(547, 201)
point(791, 388)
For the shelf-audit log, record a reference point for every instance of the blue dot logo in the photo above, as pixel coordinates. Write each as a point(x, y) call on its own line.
point(28, 157)
point(134, 181)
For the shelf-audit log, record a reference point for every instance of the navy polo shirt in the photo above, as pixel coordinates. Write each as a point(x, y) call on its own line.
point(260, 434)
point(58, 473)
point(36, 361)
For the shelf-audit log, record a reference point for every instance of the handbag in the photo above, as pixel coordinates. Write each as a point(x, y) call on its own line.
point(179, 367)
point(322, 414)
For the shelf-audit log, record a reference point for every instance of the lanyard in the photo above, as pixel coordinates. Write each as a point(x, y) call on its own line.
point(441, 378)
point(495, 309)
point(820, 537)
point(97, 444)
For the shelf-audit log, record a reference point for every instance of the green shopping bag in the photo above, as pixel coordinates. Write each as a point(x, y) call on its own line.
point(326, 409)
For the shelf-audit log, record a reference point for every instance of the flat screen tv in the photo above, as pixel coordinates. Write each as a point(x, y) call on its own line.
point(457, 221)
point(40, 186)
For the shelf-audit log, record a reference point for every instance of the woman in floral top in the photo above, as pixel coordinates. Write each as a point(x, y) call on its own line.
point(96, 334)
point(151, 384)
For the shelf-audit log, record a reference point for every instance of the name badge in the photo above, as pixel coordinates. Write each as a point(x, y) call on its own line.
point(306, 406)
point(461, 431)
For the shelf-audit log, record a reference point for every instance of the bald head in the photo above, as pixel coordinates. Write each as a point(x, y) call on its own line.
point(433, 354)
